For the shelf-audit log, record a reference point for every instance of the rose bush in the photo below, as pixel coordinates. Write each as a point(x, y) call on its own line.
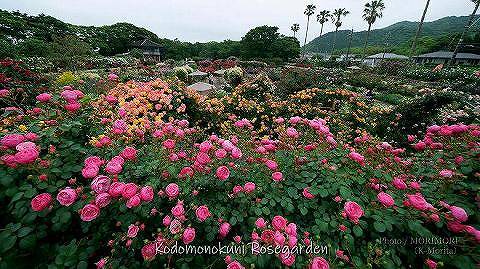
point(116, 179)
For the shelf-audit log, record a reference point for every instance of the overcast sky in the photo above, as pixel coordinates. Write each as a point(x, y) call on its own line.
point(204, 20)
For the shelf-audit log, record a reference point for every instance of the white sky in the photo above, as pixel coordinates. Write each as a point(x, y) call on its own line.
point(204, 20)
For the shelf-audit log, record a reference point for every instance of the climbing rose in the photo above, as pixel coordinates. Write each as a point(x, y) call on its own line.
point(149, 251)
point(89, 212)
point(357, 157)
point(129, 190)
point(12, 140)
point(260, 223)
point(146, 194)
point(418, 202)
point(100, 184)
point(67, 196)
point(132, 230)
point(129, 153)
point(41, 201)
point(353, 210)
point(277, 176)
point(249, 187)
point(224, 229)
point(103, 199)
point(26, 156)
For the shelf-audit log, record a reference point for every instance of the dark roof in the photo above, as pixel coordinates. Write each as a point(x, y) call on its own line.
point(386, 56)
point(448, 55)
point(146, 43)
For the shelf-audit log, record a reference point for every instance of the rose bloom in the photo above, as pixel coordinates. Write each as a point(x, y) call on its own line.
point(279, 222)
point(249, 187)
point(41, 201)
point(12, 140)
point(277, 176)
point(224, 229)
point(188, 235)
point(446, 173)
point(459, 213)
point(132, 230)
point(178, 210)
point(103, 199)
point(129, 190)
point(166, 220)
point(168, 144)
point(287, 258)
point(100, 184)
point(67, 196)
point(353, 210)
point(89, 212)
point(129, 153)
point(385, 199)
point(26, 156)
point(93, 160)
point(146, 194)
point(44, 97)
point(267, 236)
point(306, 193)
point(90, 171)
point(418, 202)
point(260, 223)
point(116, 189)
point(26, 146)
point(134, 201)
point(222, 172)
point(149, 251)
point(319, 263)
point(272, 165)
point(202, 213)
point(172, 190)
point(175, 226)
point(235, 265)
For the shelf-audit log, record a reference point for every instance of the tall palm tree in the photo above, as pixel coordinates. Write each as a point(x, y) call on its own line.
point(295, 28)
point(372, 12)
point(337, 21)
point(419, 30)
point(465, 30)
point(322, 18)
point(308, 12)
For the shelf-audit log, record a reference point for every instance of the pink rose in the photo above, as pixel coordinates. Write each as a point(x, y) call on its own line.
point(188, 235)
point(12, 140)
point(222, 172)
point(26, 156)
point(103, 199)
point(249, 187)
point(224, 229)
point(67, 196)
point(149, 251)
point(272, 165)
point(237, 189)
point(202, 213)
point(205, 146)
point(319, 263)
point(26, 146)
point(41, 201)
point(129, 153)
point(220, 153)
point(459, 213)
point(172, 190)
point(277, 176)
point(291, 229)
point(279, 238)
point(90, 171)
point(113, 168)
point(431, 264)
point(44, 97)
point(100, 184)
point(93, 161)
point(279, 223)
point(89, 212)
point(287, 258)
point(399, 183)
point(167, 220)
point(235, 265)
point(132, 230)
point(385, 199)
point(175, 226)
point(260, 223)
point(129, 190)
point(418, 202)
point(134, 201)
point(357, 157)
point(306, 193)
point(292, 132)
point(353, 210)
point(169, 144)
point(446, 173)
point(116, 189)
point(146, 194)
point(178, 210)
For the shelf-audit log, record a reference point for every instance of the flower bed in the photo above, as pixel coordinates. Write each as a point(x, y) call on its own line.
point(121, 178)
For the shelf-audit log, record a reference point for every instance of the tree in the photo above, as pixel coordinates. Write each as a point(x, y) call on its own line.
point(322, 18)
point(34, 47)
point(337, 21)
point(308, 12)
point(371, 13)
point(465, 30)
point(265, 42)
point(295, 28)
point(419, 30)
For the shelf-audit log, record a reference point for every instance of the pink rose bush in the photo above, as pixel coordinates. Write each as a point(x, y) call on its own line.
point(125, 176)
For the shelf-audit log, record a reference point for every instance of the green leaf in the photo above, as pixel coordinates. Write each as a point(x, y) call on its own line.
point(24, 231)
point(379, 226)
point(7, 243)
point(357, 230)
